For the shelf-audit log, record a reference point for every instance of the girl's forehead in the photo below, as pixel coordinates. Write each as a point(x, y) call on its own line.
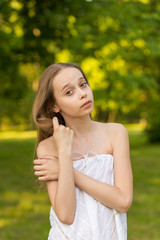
point(67, 75)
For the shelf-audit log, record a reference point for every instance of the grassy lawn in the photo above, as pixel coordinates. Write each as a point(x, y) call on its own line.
point(143, 217)
point(24, 210)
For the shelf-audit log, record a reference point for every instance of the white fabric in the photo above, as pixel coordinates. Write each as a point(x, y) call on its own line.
point(93, 221)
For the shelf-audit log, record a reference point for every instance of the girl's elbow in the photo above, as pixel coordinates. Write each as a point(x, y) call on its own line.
point(66, 219)
point(124, 209)
point(65, 216)
point(65, 213)
point(125, 205)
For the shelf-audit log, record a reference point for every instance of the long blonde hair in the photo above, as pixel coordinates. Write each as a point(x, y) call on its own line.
point(45, 100)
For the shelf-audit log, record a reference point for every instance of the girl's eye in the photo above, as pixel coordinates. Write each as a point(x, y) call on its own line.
point(69, 92)
point(83, 84)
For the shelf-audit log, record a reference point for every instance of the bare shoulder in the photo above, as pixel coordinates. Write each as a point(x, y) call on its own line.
point(116, 129)
point(46, 147)
point(119, 137)
point(112, 128)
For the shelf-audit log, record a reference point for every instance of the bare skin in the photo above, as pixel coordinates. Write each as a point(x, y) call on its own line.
point(55, 164)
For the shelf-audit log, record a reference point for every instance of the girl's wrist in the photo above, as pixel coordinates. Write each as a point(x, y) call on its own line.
point(65, 154)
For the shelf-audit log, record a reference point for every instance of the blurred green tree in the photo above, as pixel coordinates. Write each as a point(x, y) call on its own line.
point(117, 43)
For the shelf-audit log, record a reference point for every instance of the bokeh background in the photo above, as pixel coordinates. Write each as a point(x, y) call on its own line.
point(117, 44)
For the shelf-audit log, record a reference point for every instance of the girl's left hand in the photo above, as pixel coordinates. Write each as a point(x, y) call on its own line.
point(46, 168)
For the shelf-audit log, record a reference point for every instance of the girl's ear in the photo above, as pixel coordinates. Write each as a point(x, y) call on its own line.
point(56, 109)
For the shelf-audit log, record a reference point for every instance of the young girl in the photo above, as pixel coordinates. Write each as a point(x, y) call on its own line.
point(86, 164)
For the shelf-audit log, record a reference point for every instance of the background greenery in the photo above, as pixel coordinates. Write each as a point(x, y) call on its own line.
point(117, 44)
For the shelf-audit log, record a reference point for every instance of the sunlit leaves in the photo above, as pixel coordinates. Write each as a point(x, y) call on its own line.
point(96, 76)
point(117, 43)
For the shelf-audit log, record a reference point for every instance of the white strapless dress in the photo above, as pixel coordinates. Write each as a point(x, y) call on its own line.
point(93, 221)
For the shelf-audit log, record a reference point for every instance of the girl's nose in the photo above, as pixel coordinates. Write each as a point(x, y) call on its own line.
point(82, 94)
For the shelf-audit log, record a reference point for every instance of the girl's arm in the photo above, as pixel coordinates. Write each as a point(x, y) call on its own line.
point(119, 196)
point(62, 192)
point(65, 198)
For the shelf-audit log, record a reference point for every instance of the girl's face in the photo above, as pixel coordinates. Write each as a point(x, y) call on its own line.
point(73, 95)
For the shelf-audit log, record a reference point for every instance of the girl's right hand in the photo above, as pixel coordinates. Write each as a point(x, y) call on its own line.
point(46, 168)
point(63, 137)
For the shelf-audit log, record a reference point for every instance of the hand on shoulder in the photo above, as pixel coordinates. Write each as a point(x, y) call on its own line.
point(46, 166)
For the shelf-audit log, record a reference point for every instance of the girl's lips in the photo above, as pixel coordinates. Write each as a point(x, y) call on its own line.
point(86, 104)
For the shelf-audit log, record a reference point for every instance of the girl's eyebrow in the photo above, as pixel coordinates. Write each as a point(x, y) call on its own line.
point(66, 85)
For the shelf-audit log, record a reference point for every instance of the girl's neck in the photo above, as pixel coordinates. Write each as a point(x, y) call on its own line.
point(80, 126)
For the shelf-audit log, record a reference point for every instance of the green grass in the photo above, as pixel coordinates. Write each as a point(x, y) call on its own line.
point(24, 210)
point(143, 217)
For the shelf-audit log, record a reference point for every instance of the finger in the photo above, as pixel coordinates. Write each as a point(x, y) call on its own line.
point(39, 173)
point(55, 123)
point(37, 168)
point(44, 159)
point(39, 161)
point(42, 178)
point(48, 178)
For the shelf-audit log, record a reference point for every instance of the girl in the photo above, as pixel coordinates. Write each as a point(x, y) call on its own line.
point(86, 164)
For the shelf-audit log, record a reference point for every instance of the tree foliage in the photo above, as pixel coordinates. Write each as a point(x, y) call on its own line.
point(117, 43)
